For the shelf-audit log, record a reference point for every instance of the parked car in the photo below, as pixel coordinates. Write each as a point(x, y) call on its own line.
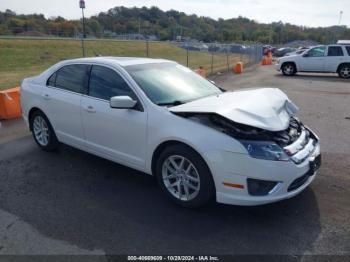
point(282, 51)
point(201, 143)
point(326, 59)
point(298, 51)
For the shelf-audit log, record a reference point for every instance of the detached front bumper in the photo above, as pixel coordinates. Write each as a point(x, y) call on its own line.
point(232, 172)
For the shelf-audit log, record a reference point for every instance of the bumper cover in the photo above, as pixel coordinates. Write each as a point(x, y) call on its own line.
point(228, 167)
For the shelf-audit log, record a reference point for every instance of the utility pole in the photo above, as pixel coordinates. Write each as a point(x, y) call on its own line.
point(82, 6)
point(340, 17)
point(139, 26)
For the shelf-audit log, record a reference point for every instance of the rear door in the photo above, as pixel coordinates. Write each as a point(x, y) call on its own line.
point(313, 60)
point(61, 102)
point(117, 134)
point(335, 56)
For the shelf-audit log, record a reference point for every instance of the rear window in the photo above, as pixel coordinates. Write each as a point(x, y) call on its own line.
point(52, 80)
point(335, 51)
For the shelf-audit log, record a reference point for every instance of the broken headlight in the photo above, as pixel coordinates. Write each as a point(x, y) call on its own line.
point(265, 150)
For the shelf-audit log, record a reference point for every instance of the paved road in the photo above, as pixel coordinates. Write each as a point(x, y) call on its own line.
point(70, 202)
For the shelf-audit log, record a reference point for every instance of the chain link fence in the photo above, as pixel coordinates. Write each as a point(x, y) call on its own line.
point(25, 56)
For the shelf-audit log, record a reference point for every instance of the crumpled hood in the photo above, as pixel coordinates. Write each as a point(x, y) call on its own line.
point(265, 108)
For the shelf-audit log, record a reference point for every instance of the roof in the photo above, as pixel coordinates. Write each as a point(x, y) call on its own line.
point(121, 61)
point(343, 42)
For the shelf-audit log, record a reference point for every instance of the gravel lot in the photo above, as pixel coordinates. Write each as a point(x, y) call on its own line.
point(70, 202)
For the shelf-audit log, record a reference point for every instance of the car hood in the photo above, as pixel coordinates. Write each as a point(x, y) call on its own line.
point(265, 108)
point(290, 56)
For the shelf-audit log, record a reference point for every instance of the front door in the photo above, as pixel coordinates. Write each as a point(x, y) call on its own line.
point(118, 134)
point(313, 60)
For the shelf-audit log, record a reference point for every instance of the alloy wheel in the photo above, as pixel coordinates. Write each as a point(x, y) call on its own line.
point(41, 130)
point(180, 178)
point(288, 69)
point(345, 72)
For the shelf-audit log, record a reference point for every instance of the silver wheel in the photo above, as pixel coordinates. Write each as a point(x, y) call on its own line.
point(288, 69)
point(180, 177)
point(345, 71)
point(41, 130)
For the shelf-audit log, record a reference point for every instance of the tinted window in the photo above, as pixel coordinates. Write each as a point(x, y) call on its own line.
point(335, 51)
point(73, 78)
point(106, 83)
point(348, 49)
point(51, 81)
point(317, 51)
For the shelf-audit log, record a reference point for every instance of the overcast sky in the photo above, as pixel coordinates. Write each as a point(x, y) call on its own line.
point(300, 12)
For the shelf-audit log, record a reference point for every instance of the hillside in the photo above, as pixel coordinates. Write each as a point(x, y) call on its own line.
point(167, 26)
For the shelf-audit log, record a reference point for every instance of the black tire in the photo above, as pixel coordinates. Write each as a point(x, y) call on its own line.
point(206, 192)
point(289, 69)
point(52, 141)
point(344, 71)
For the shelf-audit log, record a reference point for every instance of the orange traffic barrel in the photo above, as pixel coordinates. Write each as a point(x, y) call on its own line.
point(10, 106)
point(238, 68)
point(200, 71)
point(265, 60)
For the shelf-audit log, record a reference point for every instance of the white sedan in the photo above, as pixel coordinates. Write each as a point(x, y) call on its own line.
point(201, 143)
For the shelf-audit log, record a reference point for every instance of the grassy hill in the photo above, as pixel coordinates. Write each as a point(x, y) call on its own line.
point(21, 58)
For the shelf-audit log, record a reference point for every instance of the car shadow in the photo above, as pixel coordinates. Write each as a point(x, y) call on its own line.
point(93, 203)
point(315, 77)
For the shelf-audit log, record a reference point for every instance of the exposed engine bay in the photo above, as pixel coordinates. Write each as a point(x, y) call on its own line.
point(240, 131)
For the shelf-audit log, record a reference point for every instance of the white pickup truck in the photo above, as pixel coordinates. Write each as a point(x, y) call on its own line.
point(325, 59)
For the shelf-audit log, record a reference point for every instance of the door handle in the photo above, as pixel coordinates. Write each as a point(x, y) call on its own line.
point(90, 109)
point(46, 96)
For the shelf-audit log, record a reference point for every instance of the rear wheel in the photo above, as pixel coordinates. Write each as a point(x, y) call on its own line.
point(184, 176)
point(289, 69)
point(344, 71)
point(43, 133)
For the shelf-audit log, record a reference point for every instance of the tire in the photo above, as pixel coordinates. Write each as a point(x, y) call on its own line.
point(42, 131)
point(173, 180)
point(344, 71)
point(289, 69)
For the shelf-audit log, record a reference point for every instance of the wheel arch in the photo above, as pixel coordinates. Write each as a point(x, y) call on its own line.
point(30, 114)
point(290, 62)
point(342, 64)
point(161, 147)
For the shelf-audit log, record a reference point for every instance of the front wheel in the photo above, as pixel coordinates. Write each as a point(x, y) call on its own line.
point(184, 177)
point(43, 133)
point(289, 69)
point(344, 71)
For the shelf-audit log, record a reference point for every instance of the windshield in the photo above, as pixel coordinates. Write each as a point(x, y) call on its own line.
point(171, 83)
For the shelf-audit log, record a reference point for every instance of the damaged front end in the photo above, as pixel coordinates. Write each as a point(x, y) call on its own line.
point(295, 143)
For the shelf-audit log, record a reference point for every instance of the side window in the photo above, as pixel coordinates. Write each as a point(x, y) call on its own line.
point(73, 78)
point(106, 83)
point(317, 51)
point(52, 80)
point(348, 49)
point(335, 51)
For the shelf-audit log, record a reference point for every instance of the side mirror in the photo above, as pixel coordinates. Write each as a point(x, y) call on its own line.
point(122, 102)
point(306, 54)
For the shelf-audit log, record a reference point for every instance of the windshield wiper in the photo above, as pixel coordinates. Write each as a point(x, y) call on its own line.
point(173, 103)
